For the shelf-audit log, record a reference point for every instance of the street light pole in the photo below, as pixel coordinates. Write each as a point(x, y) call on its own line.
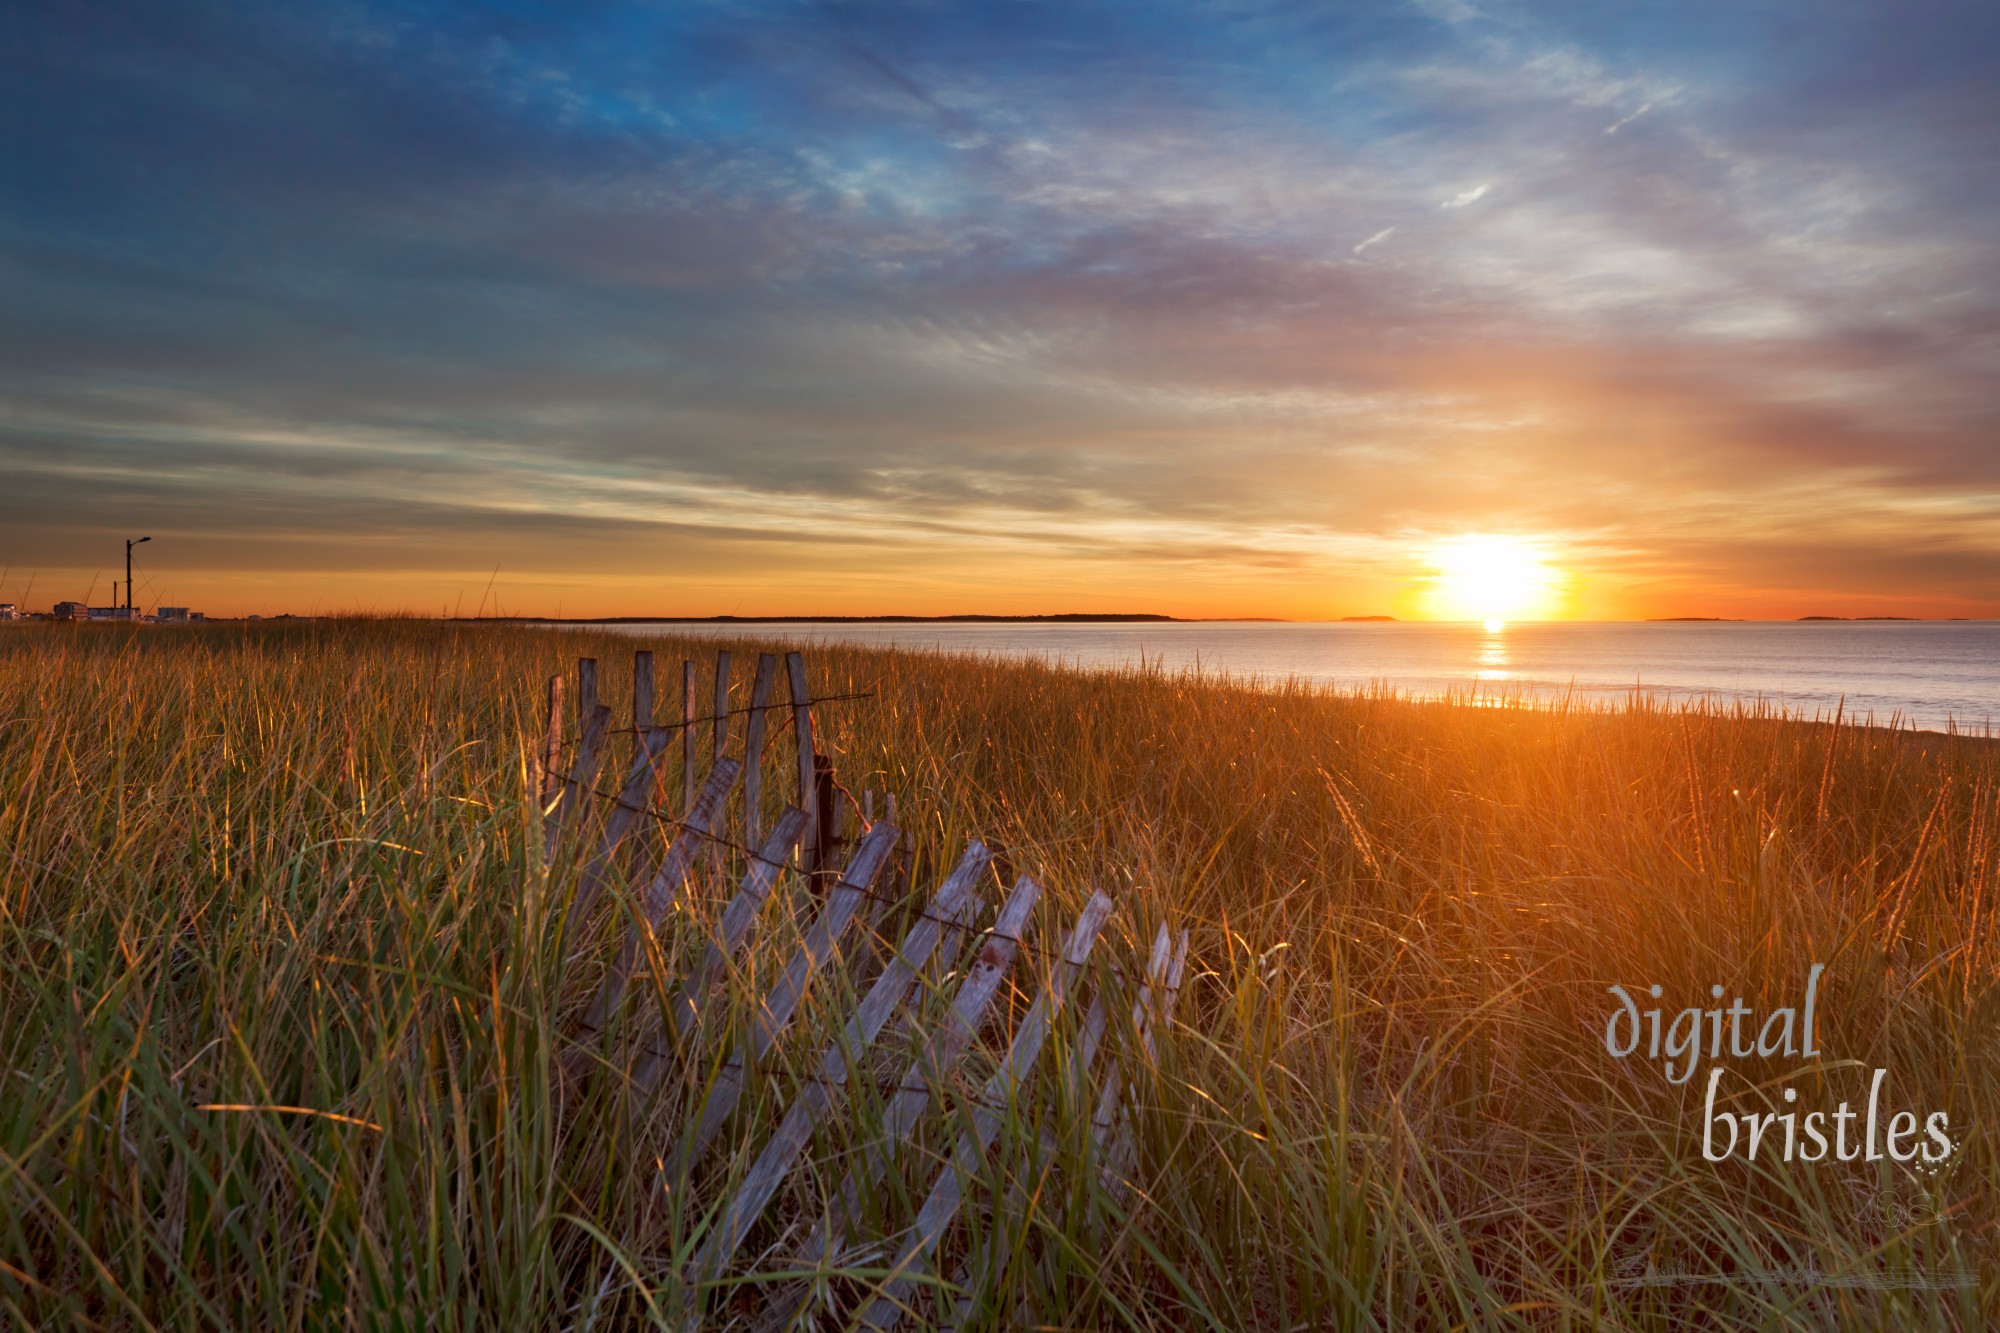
point(129, 544)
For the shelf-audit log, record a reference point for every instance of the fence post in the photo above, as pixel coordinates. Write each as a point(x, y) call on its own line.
point(802, 725)
point(826, 836)
point(753, 748)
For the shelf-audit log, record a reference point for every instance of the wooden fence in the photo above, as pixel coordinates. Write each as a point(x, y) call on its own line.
point(718, 827)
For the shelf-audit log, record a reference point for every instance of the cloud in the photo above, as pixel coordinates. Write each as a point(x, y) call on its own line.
point(1376, 239)
point(1623, 121)
point(731, 274)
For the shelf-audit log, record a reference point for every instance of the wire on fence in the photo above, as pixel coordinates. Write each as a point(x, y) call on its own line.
point(794, 865)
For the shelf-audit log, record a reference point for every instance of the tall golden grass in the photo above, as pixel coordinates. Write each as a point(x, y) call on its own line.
point(282, 1011)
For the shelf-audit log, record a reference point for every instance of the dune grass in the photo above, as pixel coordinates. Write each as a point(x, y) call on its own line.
point(283, 1012)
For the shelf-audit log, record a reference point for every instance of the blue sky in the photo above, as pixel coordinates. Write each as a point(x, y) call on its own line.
point(1202, 308)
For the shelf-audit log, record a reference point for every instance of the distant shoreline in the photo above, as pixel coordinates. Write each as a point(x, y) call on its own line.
point(1144, 618)
point(1066, 618)
point(1137, 618)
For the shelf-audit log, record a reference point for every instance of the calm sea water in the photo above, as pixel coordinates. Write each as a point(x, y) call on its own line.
point(1923, 674)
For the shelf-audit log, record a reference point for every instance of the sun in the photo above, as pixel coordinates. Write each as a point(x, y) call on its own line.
point(1493, 579)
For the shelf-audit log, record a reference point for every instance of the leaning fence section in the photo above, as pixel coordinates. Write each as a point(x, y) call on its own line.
point(666, 853)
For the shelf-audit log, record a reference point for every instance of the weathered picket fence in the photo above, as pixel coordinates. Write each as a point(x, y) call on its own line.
point(944, 939)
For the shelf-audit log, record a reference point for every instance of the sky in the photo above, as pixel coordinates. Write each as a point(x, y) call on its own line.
point(1204, 309)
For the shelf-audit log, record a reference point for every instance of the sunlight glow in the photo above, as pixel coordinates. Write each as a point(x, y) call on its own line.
point(1493, 579)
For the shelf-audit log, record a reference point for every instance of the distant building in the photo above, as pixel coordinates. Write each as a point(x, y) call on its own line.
point(71, 611)
point(9, 611)
point(173, 615)
point(110, 613)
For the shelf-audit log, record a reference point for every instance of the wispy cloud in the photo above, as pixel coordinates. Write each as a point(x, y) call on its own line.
point(1376, 239)
point(1623, 121)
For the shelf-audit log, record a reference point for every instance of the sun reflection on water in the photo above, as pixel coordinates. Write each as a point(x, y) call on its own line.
point(1493, 660)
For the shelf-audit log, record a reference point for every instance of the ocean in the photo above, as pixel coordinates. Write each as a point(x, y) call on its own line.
point(1936, 675)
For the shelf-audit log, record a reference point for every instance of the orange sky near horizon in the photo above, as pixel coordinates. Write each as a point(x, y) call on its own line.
point(865, 580)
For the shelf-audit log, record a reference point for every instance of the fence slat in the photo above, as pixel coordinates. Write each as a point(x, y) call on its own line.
point(956, 900)
point(552, 734)
point(776, 1011)
point(982, 1272)
point(913, 1095)
point(634, 801)
point(802, 725)
point(753, 747)
point(737, 919)
point(988, 1114)
point(721, 702)
point(665, 886)
point(1162, 971)
point(870, 857)
point(582, 775)
point(687, 734)
point(642, 697)
point(586, 689)
point(1119, 1157)
point(719, 727)
point(644, 693)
